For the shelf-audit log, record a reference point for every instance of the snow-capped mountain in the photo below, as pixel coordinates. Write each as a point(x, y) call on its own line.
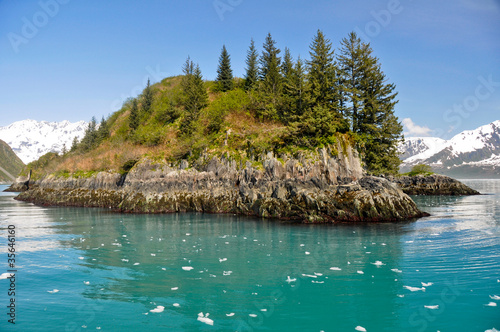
point(471, 153)
point(31, 139)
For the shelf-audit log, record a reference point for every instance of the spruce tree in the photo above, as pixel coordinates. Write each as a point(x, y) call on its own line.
point(323, 82)
point(252, 70)
point(195, 95)
point(147, 100)
point(287, 65)
point(296, 86)
point(103, 131)
point(354, 60)
point(133, 120)
point(224, 72)
point(270, 72)
point(90, 138)
point(322, 74)
point(74, 144)
point(378, 123)
point(370, 102)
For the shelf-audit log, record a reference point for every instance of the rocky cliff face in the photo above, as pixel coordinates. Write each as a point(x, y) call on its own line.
point(327, 187)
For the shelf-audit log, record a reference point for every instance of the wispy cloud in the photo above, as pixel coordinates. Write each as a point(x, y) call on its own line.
point(412, 129)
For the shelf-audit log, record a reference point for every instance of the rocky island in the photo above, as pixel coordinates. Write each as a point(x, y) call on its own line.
point(293, 140)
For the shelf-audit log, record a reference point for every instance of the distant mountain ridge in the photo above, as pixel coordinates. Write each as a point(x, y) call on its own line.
point(471, 153)
point(10, 164)
point(30, 139)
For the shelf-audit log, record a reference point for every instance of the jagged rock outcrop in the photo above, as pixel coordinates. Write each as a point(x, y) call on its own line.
point(434, 184)
point(328, 186)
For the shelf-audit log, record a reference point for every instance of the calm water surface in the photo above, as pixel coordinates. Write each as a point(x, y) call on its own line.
point(89, 269)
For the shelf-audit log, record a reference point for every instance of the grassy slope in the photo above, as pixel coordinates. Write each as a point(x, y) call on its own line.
point(159, 138)
point(9, 161)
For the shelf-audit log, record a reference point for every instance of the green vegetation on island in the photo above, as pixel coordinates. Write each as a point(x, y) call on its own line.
point(282, 105)
point(420, 169)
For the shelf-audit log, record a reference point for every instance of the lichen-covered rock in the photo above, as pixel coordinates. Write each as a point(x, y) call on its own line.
point(330, 188)
point(432, 185)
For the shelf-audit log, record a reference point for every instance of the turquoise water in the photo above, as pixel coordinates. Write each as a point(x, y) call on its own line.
point(89, 269)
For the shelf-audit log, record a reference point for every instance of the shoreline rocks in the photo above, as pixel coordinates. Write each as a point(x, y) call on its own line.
point(330, 187)
point(434, 184)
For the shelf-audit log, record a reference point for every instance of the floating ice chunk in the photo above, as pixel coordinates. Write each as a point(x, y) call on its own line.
point(124, 235)
point(348, 263)
point(378, 263)
point(302, 244)
point(431, 307)
point(317, 282)
point(335, 268)
point(252, 315)
point(176, 305)
point(409, 241)
point(414, 289)
point(81, 257)
point(307, 253)
point(164, 269)
point(231, 314)
point(124, 260)
point(86, 282)
point(492, 330)
point(174, 288)
point(396, 270)
point(360, 328)
point(288, 279)
point(263, 310)
point(153, 254)
point(5, 275)
point(204, 319)
point(53, 291)
point(400, 295)
point(309, 275)
point(187, 268)
point(427, 284)
point(435, 234)
point(360, 272)
point(318, 274)
point(137, 263)
point(384, 244)
point(227, 273)
point(495, 297)
point(159, 308)
point(491, 304)
point(187, 234)
point(222, 260)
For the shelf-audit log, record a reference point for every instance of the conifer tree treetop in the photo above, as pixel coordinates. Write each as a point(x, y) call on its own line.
point(224, 71)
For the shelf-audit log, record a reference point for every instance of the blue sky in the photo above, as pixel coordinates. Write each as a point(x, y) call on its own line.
point(72, 59)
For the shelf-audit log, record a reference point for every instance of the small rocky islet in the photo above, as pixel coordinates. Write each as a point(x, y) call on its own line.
point(331, 187)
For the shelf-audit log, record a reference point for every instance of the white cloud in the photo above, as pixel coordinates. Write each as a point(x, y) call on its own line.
point(412, 129)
